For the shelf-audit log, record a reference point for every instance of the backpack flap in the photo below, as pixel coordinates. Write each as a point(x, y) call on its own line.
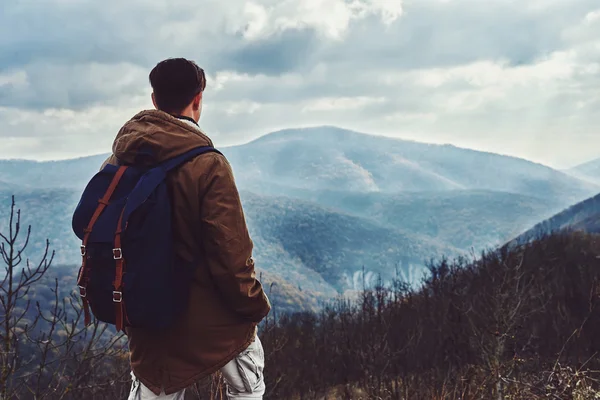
point(146, 185)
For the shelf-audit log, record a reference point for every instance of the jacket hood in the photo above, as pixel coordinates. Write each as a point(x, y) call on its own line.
point(153, 136)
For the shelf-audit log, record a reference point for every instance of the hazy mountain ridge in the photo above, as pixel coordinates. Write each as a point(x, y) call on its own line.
point(73, 173)
point(325, 158)
point(589, 171)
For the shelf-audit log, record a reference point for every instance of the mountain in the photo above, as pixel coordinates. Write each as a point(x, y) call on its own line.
point(331, 158)
point(584, 216)
point(330, 210)
point(73, 173)
point(328, 158)
point(589, 171)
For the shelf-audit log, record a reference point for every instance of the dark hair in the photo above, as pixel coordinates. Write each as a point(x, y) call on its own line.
point(175, 82)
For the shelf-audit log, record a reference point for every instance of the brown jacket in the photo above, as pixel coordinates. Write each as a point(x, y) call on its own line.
point(226, 300)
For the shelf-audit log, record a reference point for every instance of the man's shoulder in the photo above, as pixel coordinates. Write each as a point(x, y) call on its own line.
point(211, 162)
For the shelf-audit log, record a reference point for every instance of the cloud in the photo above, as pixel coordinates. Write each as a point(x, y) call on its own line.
point(497, 76)
point(341, 103)
point(70, 86)
point(330, 18)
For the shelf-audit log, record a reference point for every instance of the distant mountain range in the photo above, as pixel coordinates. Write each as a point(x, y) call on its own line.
point(325, 204)
point(26, 174)
point(331, 158)
point(589, 171)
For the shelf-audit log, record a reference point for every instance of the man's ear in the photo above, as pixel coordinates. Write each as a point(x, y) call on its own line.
point(197, 101)
point(154, 101)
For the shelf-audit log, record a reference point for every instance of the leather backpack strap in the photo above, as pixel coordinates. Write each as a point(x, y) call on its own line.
point(118, 282)
point(82, 280)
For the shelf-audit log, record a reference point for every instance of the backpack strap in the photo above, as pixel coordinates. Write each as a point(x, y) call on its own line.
point(180, 159)
point(150, 181)
point(102, 203)
point(118, 282)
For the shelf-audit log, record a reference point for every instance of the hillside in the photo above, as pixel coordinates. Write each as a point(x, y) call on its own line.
point(511, 325)
point(584, 216)
point(337, 246)
point(465, 219)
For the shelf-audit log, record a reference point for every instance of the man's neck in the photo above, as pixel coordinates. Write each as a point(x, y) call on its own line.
point(186, 118)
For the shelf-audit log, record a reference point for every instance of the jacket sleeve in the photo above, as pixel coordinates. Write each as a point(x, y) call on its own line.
point(227, 243)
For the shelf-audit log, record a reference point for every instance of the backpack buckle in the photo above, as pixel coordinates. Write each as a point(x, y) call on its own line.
point(117, 253)
point(82, 291)
point(83, 250)
point(117, 296)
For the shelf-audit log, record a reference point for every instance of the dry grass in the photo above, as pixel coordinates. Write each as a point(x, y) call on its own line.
point(564, 383)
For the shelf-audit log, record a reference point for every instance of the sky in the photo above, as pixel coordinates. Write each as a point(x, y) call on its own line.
point(520, 78)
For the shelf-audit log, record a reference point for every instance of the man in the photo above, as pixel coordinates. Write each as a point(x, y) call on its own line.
point(218, 329)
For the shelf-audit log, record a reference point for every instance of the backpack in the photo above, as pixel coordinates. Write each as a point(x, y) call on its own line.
point(130, 275)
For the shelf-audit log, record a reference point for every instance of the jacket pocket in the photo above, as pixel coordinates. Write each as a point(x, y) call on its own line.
point(251, 364)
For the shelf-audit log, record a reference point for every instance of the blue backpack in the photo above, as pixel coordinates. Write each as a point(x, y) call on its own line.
point(130, 275)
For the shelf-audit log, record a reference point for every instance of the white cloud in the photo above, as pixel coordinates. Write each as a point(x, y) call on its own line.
point(341, 103)
point(331, 18)
point(389, 10)
point(14, 78)
point(592, 17)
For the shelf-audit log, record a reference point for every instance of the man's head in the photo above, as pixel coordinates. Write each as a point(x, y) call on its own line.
point(177, 86)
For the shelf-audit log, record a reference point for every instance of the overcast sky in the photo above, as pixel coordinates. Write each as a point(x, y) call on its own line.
point(511, 77)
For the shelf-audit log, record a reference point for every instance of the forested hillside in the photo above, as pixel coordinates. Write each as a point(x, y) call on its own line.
point(584, 216)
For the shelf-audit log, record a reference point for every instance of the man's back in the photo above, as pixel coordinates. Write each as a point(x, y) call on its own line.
point(210, 234)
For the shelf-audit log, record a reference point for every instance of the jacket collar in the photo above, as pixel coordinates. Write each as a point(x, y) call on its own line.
point(154, 136)
point(186, 119)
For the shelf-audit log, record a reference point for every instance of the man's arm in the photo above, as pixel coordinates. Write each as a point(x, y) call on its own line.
point(227, 244)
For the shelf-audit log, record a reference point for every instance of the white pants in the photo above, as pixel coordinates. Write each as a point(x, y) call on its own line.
point(243, 376)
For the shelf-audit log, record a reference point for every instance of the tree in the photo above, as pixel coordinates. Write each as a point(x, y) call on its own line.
point(45, 353)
